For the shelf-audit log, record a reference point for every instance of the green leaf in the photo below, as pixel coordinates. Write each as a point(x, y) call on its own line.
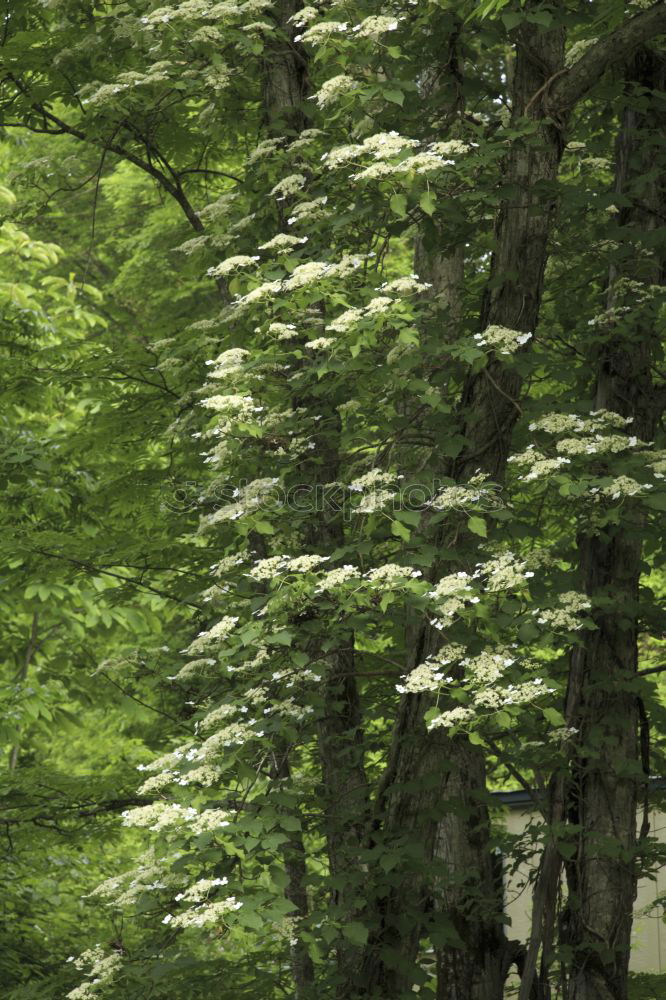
point(398, 204)
point(478, 526)
point(283, 638)
point(512, 20)
point(264, 528)
point(290, 823)
point(400, 530)
point(554, 717)
point(394, 96)
point(656, 502)
point(356, 932)
point(427, 201)
point(527, 632)
point(412, 517)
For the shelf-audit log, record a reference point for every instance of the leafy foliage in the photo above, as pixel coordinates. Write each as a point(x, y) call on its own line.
point(309, 476)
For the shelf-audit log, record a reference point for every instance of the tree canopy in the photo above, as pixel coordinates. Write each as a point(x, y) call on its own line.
point(334, 469)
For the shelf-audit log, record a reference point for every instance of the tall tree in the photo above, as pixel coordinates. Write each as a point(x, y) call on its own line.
point(609, 767)
point(314, 829)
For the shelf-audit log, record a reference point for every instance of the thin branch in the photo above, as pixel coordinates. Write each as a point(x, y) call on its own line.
point(145, 704)
point(651, 670)
point(79, 812)
point(63, 128)
point(117, 576)
point(208, 170)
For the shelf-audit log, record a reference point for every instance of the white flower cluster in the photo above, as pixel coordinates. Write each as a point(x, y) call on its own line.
point(429, 676)
point(381, 145)
point(598, 444)
point(464, 497)
point(321, 343)
point(231, 264)
point(378, 305)
point(451, 147)
point(337, 577)
point(658, 465)
point(233, 734)
point(332, 89)
point(406, 285)
point(624, 486)
point(350, 317)
point(369, 480)
point(264, 148)
point(293, 184)
point(425, 162)
point(102, 969)
point(392, 573)
point(426, 677)
point(217, 633)
point(241, 407)
point(200, 890)
point(373, 501)
point(453, 717)
point(450, 594)
point(304, 16)
point(540, 466)
point(308, 211)
point(502, 339)
point(322, 31)
point(210, 820)
point(346, 320)
point(266, 569)
point(370, 27)
point(373, 27)
point(228, 363)
point(289, 708)
point(492, 698)
point(305, 138)
point(206, 913)
point(489, 666)
point(572, 423)
point(504, 572)
point(218, 715)
point(159, 815)
point(305, 274)
point(150, 875)
point(521, 694)
point(283, 242)
point(567, 614)
point(389, 146)
point(578, 50)
point(283, 331)
point(248, 499)
point(194, 668)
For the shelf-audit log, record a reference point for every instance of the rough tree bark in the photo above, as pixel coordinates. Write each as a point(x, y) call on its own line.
point(607, 771)
point(284, 89)
point(285, 74)
point(344, 784)
point(433, 791)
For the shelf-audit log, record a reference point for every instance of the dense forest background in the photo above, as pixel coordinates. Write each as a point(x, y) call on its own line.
point(333, 488)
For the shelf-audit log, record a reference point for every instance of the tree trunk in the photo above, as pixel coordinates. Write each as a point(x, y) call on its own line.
point(285, 77)
point(293, 858)
point(607, 773)
point(434, 789)
point(284, 92)
point(344, 785)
